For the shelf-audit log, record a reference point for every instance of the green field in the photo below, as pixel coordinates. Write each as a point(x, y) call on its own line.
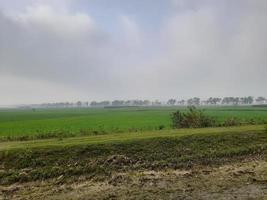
point(118, 149)
point(19, 123)
point(125, 137)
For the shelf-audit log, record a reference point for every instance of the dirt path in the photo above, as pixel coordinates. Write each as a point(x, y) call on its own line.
point(246, 180)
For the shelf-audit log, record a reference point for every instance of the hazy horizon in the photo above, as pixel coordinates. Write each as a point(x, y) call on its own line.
point(70, 50)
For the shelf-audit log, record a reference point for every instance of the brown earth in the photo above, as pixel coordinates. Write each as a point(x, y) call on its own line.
point(244, 180)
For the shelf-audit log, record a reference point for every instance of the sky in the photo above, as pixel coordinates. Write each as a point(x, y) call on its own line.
point(70, 50)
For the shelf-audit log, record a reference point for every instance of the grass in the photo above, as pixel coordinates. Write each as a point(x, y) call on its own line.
point(48, 123)
point(99, 156)
point(124, 137)
point(116, 141)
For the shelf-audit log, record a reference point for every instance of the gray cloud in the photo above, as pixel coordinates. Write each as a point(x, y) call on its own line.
point(203, 48)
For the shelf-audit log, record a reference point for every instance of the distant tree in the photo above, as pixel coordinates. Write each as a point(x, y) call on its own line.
point(190, 102)
point(105, 103)
point(100, 104)
point(217, 100)
point(210, 100)
point(236, 100)
point(93, 103)
point(242, 100)
point(147, 103)
point(246, 100)
point(225, 100)
point(196, 101)
point(128, 103)
point(79, 103)
point(156, 103)
point(171, 101)
point(230, 100)
point(250, 100)
point(260, 100)
point(117, 103)
point(137, 102)
point(193, 101)
point(214, 101)
point(181, 102)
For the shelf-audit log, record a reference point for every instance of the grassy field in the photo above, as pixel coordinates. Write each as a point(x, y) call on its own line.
point(123, 137)
point(133, 160)
point(19, 123)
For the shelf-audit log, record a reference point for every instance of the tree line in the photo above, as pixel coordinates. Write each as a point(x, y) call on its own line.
point(219, 101)
point(195, 101)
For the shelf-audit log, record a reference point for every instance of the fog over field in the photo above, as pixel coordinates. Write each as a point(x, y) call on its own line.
point(66, 50)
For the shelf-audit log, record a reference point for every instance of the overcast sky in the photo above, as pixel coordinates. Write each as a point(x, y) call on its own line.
point(69, 50)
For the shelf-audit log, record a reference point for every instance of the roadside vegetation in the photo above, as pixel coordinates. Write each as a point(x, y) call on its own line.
point(100, 160)
point(197, 118)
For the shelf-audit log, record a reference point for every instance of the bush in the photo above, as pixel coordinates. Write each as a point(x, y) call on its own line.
point(265, 130)
point(193, 118)
point(232, 122)
point(177, 119)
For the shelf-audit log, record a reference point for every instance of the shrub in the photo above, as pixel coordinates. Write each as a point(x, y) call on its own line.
point(193, 118)
point(177, 119)
point(233, 121)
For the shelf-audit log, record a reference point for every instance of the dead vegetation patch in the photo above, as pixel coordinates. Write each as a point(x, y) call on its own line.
point(244, 180)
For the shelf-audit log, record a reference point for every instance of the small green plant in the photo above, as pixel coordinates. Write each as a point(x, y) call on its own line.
point(265, 129)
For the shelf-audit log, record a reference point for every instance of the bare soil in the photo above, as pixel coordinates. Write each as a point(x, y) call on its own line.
point(243, 180)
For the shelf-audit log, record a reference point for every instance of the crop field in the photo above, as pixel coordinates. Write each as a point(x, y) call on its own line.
point(122, 151)
point(15, 123)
